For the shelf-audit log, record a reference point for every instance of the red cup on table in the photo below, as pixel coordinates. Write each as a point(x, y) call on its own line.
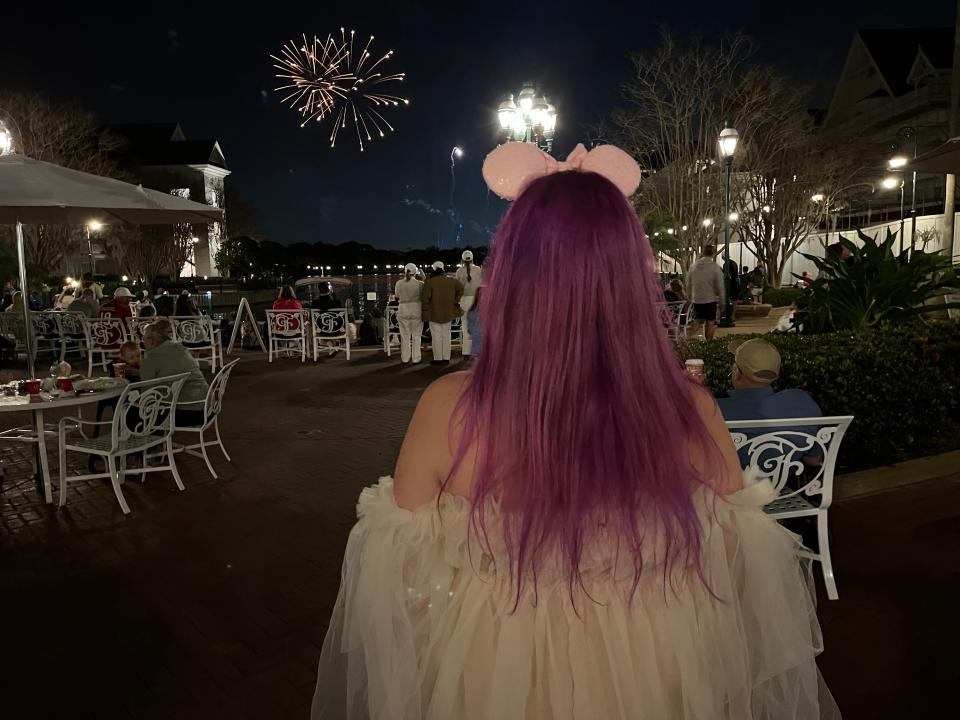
point(119, 369)
point(65, 384)
point(32, 386)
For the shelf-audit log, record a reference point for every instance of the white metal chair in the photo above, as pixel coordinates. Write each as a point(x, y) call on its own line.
point(286, 333)
point(211, 419)
point(136, 327)
point(72, 335)
point(105, 335)
point(142, 420)
point(677, 315)
point(46, 333)
point(391, 336)
point(329, 329)
point(196, 332)
point(456, 332)
point(775, 449)
point(11, 325)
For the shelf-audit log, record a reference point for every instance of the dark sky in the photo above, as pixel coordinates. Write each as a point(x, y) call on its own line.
point(207, 67)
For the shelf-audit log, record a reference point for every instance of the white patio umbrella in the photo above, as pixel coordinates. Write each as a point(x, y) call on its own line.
point(35, 192)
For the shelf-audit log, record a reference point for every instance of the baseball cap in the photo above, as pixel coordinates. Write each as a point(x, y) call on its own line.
point(438, 265)
point(410, 268)
point(467, 255)
point(122, 292)
point(757, 359)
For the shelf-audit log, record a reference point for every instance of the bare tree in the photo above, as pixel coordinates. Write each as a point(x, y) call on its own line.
point(789, 180)
point(150, 251)
point(66, 135)
point(681, 96)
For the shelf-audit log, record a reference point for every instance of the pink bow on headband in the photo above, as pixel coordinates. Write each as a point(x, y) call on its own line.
point(510, 167)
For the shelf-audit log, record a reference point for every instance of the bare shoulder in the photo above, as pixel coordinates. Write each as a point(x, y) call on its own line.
point(726, 477)
point(442, 394)
point(425, 455)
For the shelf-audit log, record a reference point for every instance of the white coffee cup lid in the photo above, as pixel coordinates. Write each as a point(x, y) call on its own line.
point(694, 361)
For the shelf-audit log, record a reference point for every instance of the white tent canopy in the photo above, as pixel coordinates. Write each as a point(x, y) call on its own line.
point(35, 192)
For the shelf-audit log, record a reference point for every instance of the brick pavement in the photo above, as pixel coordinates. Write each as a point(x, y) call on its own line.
point(212, 603)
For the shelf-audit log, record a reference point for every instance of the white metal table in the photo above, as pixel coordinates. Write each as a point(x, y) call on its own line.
point(22, 403)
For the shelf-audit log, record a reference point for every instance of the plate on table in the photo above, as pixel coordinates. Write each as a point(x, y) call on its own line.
point(99, 384)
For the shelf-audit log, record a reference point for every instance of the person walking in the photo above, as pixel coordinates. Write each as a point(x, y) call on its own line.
point(440, 304)
point(468, 275)
point(409, 316)
point(568, 533)
point(705, 284)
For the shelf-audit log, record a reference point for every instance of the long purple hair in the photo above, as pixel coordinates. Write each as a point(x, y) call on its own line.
point(577, 413)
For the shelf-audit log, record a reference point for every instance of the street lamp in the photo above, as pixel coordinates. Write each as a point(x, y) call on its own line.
point(898, 162)
point(455, 153)
point(727, 146)
point(531, 118)
point(891, 183)
point(92, 227)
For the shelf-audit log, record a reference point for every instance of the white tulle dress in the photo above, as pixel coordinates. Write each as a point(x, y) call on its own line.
point(425, 627)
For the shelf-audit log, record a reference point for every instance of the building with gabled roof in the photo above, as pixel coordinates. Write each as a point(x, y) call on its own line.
point(161, 157)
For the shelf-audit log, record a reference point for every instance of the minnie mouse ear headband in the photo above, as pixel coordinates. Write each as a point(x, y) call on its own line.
point(509, 168)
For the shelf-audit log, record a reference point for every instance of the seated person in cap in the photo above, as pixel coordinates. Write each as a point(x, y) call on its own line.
point(119, 307)
point(756, 365)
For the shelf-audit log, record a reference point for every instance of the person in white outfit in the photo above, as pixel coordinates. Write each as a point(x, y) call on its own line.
point(408, 314)
point(469, 276)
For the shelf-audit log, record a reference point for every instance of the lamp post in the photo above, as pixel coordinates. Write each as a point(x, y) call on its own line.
point(92, 227)
point(455, 153)
point(898, 162)
point(529, 118)
point(891, 183)
point(727, 146)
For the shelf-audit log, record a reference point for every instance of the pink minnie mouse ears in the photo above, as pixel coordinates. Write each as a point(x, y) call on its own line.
point(510, 167)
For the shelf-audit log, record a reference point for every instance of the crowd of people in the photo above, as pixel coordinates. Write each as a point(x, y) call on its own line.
point(433, 299)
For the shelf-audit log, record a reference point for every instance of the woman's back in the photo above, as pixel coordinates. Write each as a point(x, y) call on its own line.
point(565, 534)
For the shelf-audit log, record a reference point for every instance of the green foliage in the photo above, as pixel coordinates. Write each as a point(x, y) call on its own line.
point(874, 287)
point(901, 383)
point(781, 297)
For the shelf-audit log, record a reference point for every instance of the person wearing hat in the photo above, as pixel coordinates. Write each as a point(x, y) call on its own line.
point(469, 275)
point(409, 317)
point(119, 307)
point(440, 304)
point(756, 365)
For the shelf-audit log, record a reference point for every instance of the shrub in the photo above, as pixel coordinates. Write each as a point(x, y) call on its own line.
point(781, 297)
point(873, 288)
point(900, 383)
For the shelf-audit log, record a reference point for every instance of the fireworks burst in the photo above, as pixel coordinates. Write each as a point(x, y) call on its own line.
point(331, 78)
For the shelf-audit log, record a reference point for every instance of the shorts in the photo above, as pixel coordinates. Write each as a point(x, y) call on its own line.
point(705, 311)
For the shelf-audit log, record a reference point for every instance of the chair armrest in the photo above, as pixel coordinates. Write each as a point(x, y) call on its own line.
point(81, 421)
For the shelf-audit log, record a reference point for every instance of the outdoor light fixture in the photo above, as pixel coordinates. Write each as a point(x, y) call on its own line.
point(733, 217)
point(95, 226)
point(669, 231)
point(897, 162)
point(818, 197)
point(525, 98)
point(124, 278)
point(727, 146)
point(707, 222)
point(727, 143)
point(766, 208)
point(684, 228)
point(457, 151)
point(891, 182)
point(530, 119)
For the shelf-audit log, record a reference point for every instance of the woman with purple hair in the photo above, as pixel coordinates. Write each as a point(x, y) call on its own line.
point(567, 533)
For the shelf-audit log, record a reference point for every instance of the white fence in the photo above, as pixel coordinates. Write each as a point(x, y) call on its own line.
point(816, 244)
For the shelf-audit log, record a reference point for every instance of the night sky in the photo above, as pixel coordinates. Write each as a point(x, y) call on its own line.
point(208, 68)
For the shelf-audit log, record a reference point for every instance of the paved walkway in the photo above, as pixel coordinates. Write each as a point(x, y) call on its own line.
point(212, 603)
